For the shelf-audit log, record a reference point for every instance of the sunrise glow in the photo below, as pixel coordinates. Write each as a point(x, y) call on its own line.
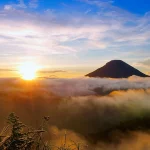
point(28, 70)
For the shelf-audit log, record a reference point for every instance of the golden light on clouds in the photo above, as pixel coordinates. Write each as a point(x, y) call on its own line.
point(28, 70)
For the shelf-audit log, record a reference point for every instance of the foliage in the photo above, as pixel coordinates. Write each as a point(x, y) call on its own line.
point(21, 137)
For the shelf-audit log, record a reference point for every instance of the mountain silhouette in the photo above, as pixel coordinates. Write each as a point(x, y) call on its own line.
point(116, 69)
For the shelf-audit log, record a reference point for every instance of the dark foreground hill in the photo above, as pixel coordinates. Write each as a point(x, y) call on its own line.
point(116, 69)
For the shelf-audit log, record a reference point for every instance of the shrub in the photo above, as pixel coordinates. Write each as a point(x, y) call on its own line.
point(22, 137)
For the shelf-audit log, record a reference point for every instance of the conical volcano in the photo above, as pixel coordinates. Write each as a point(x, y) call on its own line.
point(116, 69)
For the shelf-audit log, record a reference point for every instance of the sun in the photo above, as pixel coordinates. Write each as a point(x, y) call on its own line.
point(28, 70)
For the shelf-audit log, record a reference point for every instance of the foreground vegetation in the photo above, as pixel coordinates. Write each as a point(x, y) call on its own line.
point(17, 136)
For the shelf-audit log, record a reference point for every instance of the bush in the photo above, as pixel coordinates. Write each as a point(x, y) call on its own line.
point(22, 137)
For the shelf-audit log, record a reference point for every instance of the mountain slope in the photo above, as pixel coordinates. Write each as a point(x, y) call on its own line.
point(116, 69)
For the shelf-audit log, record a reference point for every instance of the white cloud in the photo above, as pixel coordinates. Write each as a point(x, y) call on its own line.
point(21, 4)
point(8, 7)
point(33, 3)
point(56, 33)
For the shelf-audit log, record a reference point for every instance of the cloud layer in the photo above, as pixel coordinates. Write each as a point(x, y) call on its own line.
point(39, 34)
point(101, 120)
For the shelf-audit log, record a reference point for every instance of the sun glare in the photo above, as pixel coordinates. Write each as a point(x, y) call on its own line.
point(28, 70)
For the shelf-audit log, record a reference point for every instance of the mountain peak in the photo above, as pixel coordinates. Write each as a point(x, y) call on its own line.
point(116, 69)
point(115, 61)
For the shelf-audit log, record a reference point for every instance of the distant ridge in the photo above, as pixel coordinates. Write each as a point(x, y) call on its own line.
point(116, 69)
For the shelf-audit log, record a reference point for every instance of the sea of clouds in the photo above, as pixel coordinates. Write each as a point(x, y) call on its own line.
point(110, 114)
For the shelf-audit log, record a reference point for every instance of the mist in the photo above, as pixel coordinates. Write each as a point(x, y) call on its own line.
point(101, 113)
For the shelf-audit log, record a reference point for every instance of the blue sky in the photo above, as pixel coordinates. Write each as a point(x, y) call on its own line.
point(75, 35)
point(134, 6)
